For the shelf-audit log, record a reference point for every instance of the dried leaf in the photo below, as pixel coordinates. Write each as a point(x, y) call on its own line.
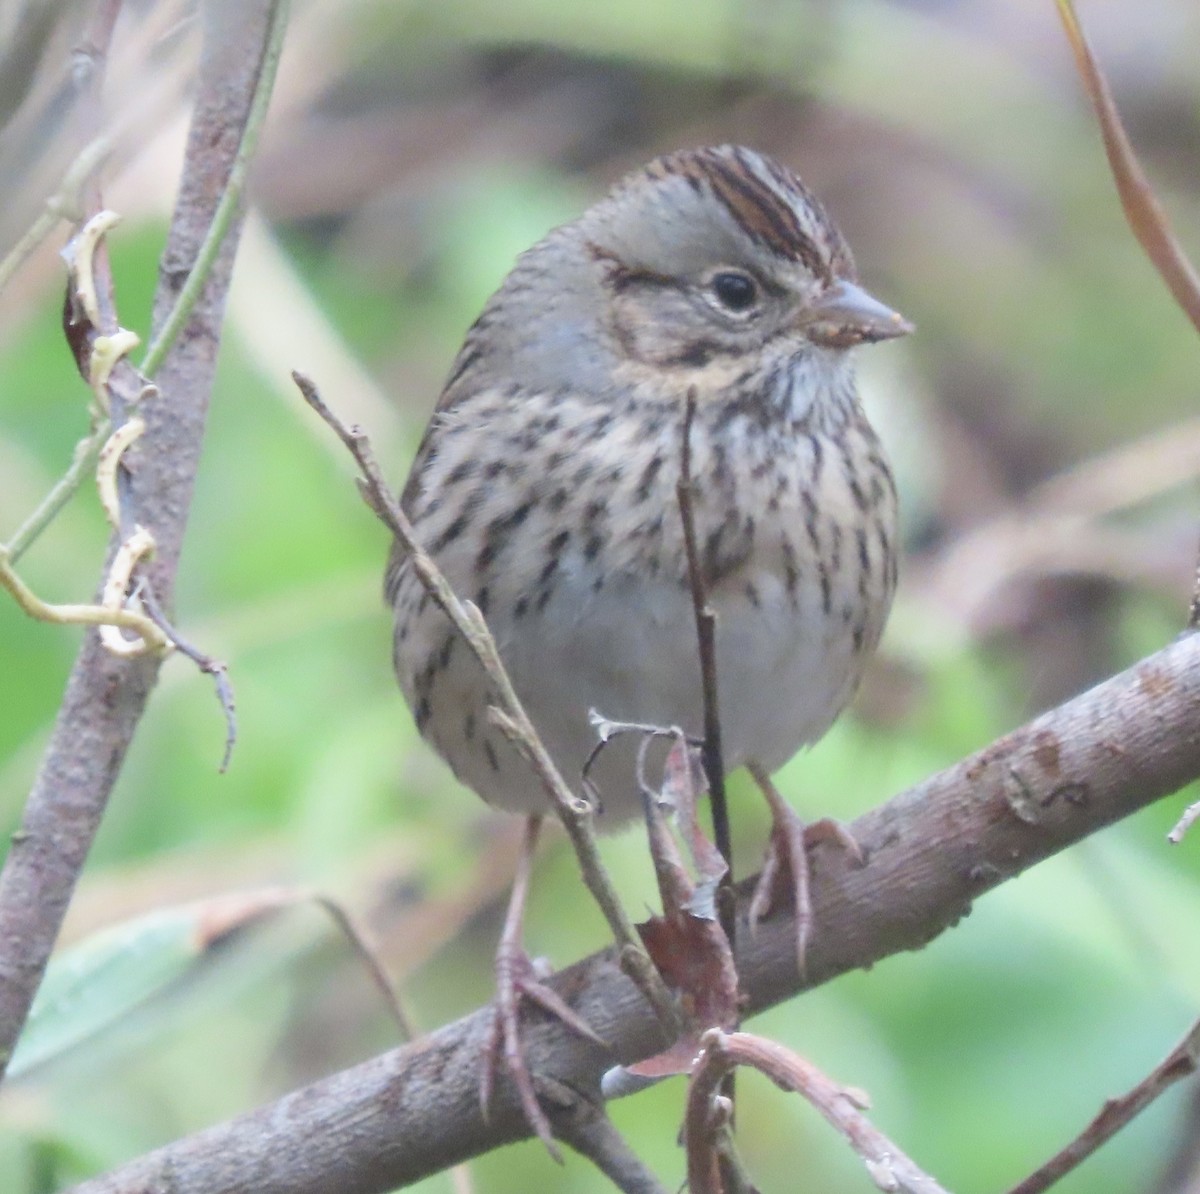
point(694, 958)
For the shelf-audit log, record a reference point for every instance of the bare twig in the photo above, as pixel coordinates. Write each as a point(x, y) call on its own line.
point(218, 669)
point(706, 631)
point(356, 934)
point(509, 715)
point(1181, 1062)
point(105, 696)
point(889, 1168)
point(706, 625)
point(933, 851)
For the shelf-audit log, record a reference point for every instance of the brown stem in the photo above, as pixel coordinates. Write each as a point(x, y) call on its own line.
point(105, 696)
point(890, 1169)
point(1116, 1113)
point(706, 620)
point(932, 851)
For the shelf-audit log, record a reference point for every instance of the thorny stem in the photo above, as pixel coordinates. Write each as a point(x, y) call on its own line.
point(585, 1126)
point(509, 714)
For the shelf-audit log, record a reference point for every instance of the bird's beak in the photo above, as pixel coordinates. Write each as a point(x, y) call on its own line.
point(845, 315)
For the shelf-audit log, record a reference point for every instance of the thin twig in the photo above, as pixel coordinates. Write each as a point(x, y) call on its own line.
point(888, 1166)
point(711, 753)
point(218, 669)
point(1181, 1062)
point(509, 715)
point(82, 463)
point(706, 620)
point(1142, 209)
point(359, 939)
point(63, 204)
point(1145, 215)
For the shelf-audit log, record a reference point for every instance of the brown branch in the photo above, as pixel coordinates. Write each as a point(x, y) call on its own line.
point(705, 635)
point(1180, 1063)
point(706, 631)
point(711, 752)
point(931, 852)
point(889, 1168)
point(105, 695)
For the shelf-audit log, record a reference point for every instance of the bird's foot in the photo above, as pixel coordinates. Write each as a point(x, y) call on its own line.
point(517, 979)
point(786, 872)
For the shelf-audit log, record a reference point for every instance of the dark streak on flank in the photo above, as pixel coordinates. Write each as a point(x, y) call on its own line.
point(448, 535)
point(462, 470)
point(497, 534)
point(467, 359)
point(864, 561)
point(649, 473)
point(791, 569)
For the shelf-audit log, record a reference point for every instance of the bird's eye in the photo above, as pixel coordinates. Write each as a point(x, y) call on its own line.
point(734, 290)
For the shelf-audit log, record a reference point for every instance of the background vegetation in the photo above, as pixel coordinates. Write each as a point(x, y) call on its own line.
point(415, 147)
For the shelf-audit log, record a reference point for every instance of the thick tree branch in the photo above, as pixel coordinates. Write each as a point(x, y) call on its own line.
point(931, 851)
point(105, 695)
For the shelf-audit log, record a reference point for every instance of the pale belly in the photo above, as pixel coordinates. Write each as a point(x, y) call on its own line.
point(785, 669)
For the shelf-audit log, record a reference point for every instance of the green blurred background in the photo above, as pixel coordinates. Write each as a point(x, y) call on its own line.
point(1043, 427)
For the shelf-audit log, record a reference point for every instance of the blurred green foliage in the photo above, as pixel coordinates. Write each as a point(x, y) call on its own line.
point(984, 206)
